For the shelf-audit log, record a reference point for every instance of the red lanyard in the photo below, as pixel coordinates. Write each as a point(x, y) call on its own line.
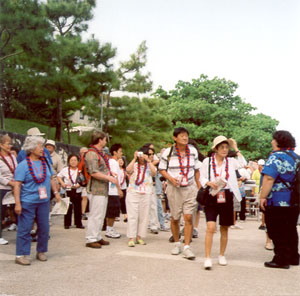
point(138, 181)
point(104, 156)
point(70, 176)
point(43, 170)
point(215, 167)
point(124, 175)
point(187, 153)
point(12, 169)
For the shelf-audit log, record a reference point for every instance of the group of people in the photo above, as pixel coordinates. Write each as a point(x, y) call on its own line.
point(135, 190)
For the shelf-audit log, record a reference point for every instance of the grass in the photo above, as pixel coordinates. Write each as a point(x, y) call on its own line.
point(20, 126)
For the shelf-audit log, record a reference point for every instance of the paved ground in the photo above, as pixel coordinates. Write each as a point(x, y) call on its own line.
point(73, 269)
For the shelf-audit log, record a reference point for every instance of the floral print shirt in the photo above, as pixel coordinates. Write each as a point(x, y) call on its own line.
point(280, 164)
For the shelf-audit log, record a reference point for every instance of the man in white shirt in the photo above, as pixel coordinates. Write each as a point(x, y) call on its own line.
point(180, 167)
point(114, 192)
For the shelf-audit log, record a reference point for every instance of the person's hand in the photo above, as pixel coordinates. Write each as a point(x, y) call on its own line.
point(120, 192)
point(76, 186)
point(18, 208)
point(234, 144)
point(263, 203)
point(64, 186)
point(112, 179)
point(175, 182)
point(135, 156)
point(146, 157)
point(212, 185)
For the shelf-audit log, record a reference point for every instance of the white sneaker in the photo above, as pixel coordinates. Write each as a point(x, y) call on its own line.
point(207, 264)
point(188, 254)
point(112, 234)
point(222, 260)
point(12, 227)
point(176, 250)
point(236, 226)
point(3, 241)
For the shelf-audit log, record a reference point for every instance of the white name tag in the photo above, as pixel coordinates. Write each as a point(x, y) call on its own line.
point(221, 197)
point(43, 192)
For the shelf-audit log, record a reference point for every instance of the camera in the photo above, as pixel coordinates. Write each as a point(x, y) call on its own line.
point(140, 154)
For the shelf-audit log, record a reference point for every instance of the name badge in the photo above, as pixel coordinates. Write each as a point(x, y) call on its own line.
point(43, 192)
point(221, 197)
point(184, 181)
point(68, 187)
point(142, 189)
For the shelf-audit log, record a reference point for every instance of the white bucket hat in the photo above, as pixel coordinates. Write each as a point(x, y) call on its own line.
point(34, 131)
point(50, 142)
point(220, 139)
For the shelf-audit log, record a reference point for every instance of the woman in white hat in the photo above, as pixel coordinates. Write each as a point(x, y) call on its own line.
point(218, 172)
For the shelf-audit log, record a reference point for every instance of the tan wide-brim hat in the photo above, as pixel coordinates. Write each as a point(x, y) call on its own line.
point(220, 139)
point(34, 131)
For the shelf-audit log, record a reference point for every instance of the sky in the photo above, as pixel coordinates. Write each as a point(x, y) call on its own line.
point(255, 43)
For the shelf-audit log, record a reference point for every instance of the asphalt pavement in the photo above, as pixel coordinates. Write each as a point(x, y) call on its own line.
point(115, 270)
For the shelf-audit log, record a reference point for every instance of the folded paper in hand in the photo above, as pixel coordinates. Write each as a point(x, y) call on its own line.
point(221, 184)
point(61, 208)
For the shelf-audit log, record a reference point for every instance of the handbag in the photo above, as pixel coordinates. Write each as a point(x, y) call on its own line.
point(203, 193)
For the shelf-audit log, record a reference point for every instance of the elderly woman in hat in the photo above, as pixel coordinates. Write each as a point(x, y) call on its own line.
point(218, 172)
point(33, 181)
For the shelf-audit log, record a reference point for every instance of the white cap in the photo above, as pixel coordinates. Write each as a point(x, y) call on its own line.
point(34, 131)
point(261, 162)
point(50, 142)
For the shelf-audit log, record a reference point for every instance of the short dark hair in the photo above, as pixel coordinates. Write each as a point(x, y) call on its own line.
point(114, 147)
point(72, 155)
point(180, 130)
point(284, 139)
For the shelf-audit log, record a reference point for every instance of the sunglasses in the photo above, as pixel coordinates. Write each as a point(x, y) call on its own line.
point(150, 154)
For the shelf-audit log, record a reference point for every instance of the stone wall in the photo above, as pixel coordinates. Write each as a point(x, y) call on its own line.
point(62, 149)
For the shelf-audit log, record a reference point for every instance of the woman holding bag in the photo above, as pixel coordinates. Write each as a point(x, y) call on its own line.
point(223, 186)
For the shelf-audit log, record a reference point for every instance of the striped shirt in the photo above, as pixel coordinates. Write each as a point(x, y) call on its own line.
point(174, 167)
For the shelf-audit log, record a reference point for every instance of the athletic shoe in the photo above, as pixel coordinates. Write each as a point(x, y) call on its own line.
point(262, 227)
point(164, 228)
point(222, 260)
point(131, 244)
point(207, 264)
point(112, 234)
point(12, 227)
point(236, 226)
point(140, 242)
point(84, 217)
point(154, 231)
point(176, 250)
point(3, 241)
point(195, 233)
point(188, 254)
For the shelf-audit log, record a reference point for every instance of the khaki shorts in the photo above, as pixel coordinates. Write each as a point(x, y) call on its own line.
point(182, 200)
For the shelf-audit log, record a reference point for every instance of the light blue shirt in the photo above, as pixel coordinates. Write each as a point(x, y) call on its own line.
point(30, 189)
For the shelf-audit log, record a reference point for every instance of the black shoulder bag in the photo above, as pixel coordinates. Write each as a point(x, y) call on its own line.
point(203, 193)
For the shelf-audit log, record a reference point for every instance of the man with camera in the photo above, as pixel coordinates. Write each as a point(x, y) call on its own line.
point(180, 166)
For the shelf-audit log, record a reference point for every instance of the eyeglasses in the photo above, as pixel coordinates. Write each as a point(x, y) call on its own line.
point(150, 154)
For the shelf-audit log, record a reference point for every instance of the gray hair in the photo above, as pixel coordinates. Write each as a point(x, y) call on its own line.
point(31, 143)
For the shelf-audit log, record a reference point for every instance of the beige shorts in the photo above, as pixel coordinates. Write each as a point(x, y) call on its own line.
point(182, 200)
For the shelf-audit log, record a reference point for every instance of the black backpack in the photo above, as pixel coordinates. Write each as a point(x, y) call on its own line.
point(295, 185)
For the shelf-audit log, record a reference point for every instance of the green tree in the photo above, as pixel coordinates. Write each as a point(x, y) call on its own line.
point(209, 107)
point(24, 34)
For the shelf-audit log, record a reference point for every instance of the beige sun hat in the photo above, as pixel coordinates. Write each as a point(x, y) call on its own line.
point(220, 139)
point(50, 142)
point(34, 131)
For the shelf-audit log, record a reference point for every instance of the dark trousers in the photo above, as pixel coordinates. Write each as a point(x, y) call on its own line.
point(242, 212)
point(123, 202)
point(75, 202)
point(2, 211)
point(281, 225)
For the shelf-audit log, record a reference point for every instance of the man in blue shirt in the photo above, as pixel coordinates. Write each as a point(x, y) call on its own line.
point(281, 215)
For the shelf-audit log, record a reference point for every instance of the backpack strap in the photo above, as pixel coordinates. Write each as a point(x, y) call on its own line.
point(169, 156)
point(209, 168)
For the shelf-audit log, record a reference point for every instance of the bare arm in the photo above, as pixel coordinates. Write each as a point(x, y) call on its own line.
point(266, 188)
point(17, 193)
point(54, 189)
point(130, 167)
point(197, 178)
